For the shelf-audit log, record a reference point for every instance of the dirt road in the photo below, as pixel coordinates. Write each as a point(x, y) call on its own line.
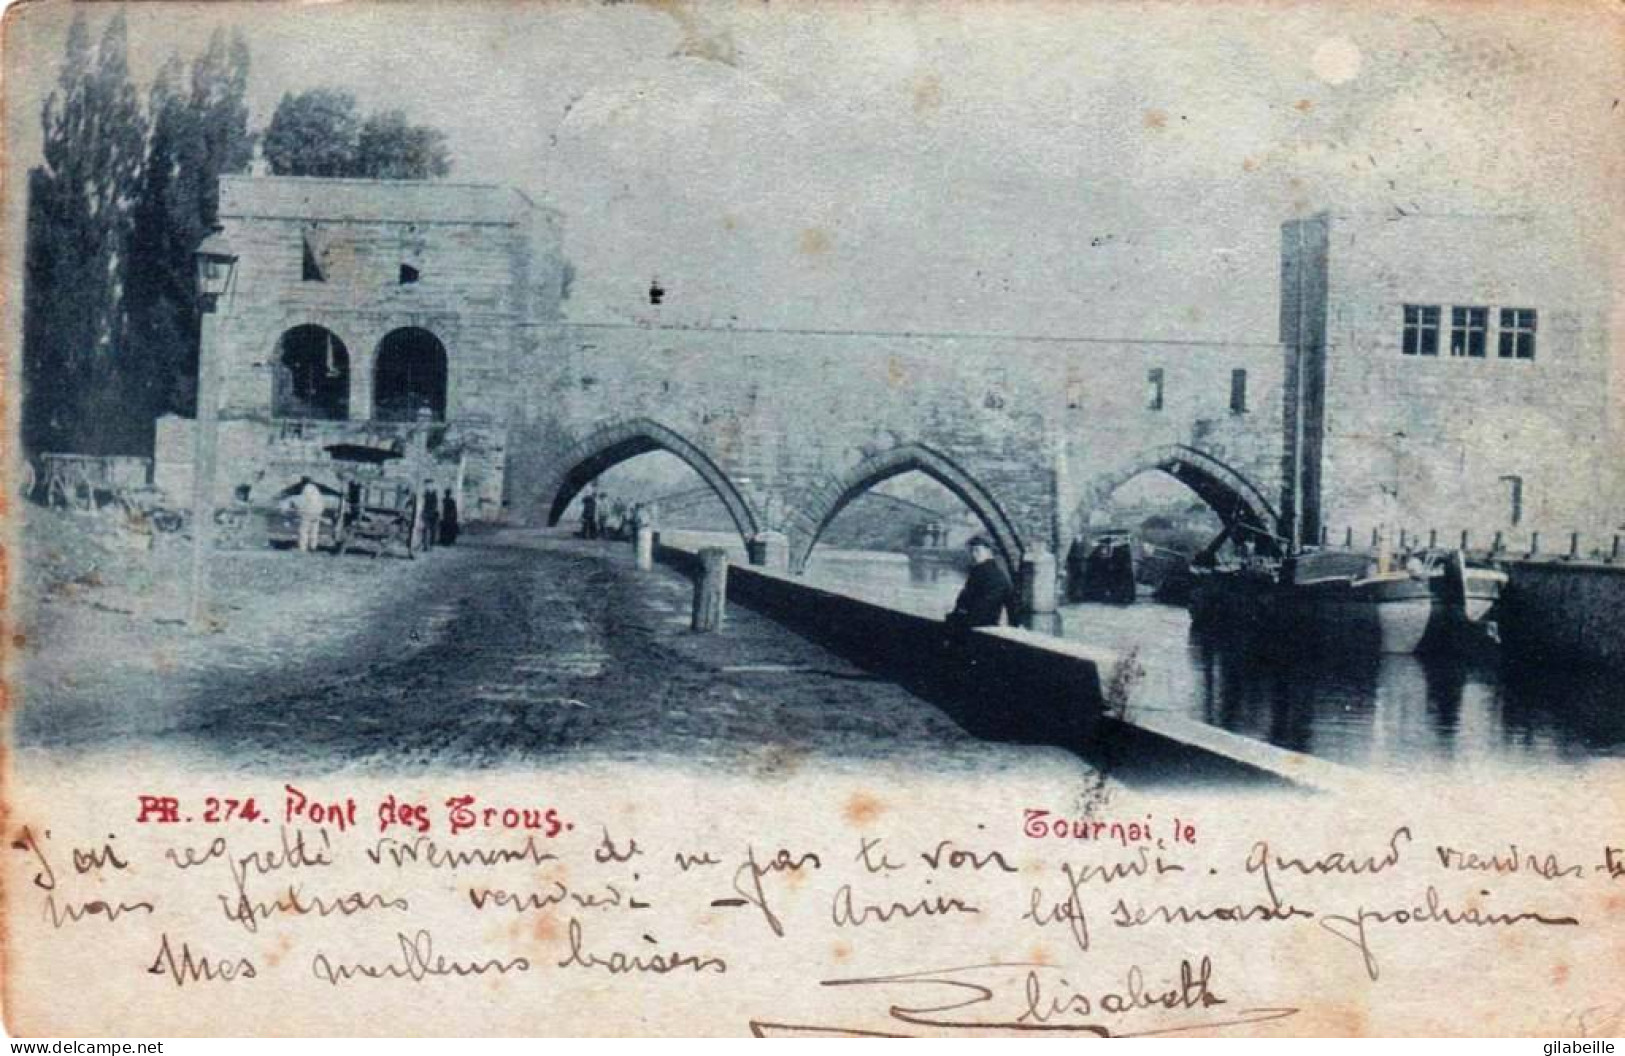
point(519, 649)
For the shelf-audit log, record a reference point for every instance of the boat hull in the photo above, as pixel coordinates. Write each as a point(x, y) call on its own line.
point(1390, 613)
point(1375, 619)
point(1483, 593)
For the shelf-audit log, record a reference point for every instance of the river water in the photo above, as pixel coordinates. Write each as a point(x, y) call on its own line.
point(1377, 713)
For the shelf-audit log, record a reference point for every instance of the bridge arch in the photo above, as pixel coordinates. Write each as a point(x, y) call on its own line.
point(834, 496)
point(1226, 490)
point(612, 444)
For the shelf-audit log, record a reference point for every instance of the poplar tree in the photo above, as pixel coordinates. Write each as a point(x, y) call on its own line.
point(199, 131)
point(78, 221)
point(162, 332)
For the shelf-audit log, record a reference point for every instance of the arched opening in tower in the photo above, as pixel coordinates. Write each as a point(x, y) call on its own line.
point(409, 381)
point(312, 376)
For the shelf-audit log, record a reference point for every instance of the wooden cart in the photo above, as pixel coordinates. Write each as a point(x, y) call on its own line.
point(385, 517)
point(88, 482)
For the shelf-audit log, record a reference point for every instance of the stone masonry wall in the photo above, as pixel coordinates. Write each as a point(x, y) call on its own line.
point(487, 261)
point(474, 248)
point(1558, 611)
point(798, 420)
point(1423, 442)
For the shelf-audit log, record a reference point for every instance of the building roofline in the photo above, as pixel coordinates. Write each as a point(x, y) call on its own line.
point(321, 198)
point(1417, 214)
point(243, 177)
point(914, 335)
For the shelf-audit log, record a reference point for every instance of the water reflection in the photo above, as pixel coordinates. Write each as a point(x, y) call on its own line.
point(1376, 712)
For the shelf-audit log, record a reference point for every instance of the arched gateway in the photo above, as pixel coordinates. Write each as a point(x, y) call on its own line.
point(1226, 491)
point(613, 444)
point(826, 502)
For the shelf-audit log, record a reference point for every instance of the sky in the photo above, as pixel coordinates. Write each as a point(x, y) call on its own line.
point(1104, 169)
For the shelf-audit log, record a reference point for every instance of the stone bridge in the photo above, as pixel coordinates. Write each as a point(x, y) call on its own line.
point(789, 427)
point(360, 309)
point(1452, 368)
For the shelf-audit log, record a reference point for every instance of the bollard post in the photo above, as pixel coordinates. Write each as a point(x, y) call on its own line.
point(1495, 546)
point(646, 548)
point(1376, 537)
point(1402, 538)
point(1574, 545)
point(1534, 543)
point(1348, 539)
point(1038, 591)
point(1433, 538)
point(710, 589)
point(1464, 537)
point(1613, 555)
point(1325, 533)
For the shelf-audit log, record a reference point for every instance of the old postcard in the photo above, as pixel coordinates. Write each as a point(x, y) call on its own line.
point(826, 519)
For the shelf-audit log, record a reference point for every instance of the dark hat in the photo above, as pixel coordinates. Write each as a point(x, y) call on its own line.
point(980, 540)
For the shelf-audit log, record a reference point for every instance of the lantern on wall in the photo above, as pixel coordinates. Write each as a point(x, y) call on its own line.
point(215, 262)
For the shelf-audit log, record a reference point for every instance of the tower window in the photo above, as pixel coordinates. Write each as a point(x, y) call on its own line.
point(1153, 389)
point(409, 275)
point(1238, 392)
point(1514, 496)
point(1517, 333)
point(311, 269)
point(1467, 329)
point(1421, 336)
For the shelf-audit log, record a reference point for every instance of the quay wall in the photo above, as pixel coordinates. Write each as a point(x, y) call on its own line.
point(1559, 611)
point(1013, 685)
point(996, 684)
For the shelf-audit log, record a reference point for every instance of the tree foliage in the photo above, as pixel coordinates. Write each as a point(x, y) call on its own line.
point(114, 215)
point(391, 148)
point(313, 133)
point(79, 213)
point(320, 133)
point(199, 130)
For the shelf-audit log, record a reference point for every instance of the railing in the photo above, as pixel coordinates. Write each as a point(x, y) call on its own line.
point(1502, 544)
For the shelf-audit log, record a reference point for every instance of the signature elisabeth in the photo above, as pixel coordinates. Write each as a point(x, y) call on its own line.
point(1020, 997)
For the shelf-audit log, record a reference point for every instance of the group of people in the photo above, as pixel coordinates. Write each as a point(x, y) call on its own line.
point(606, 518)
point(438, 524)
